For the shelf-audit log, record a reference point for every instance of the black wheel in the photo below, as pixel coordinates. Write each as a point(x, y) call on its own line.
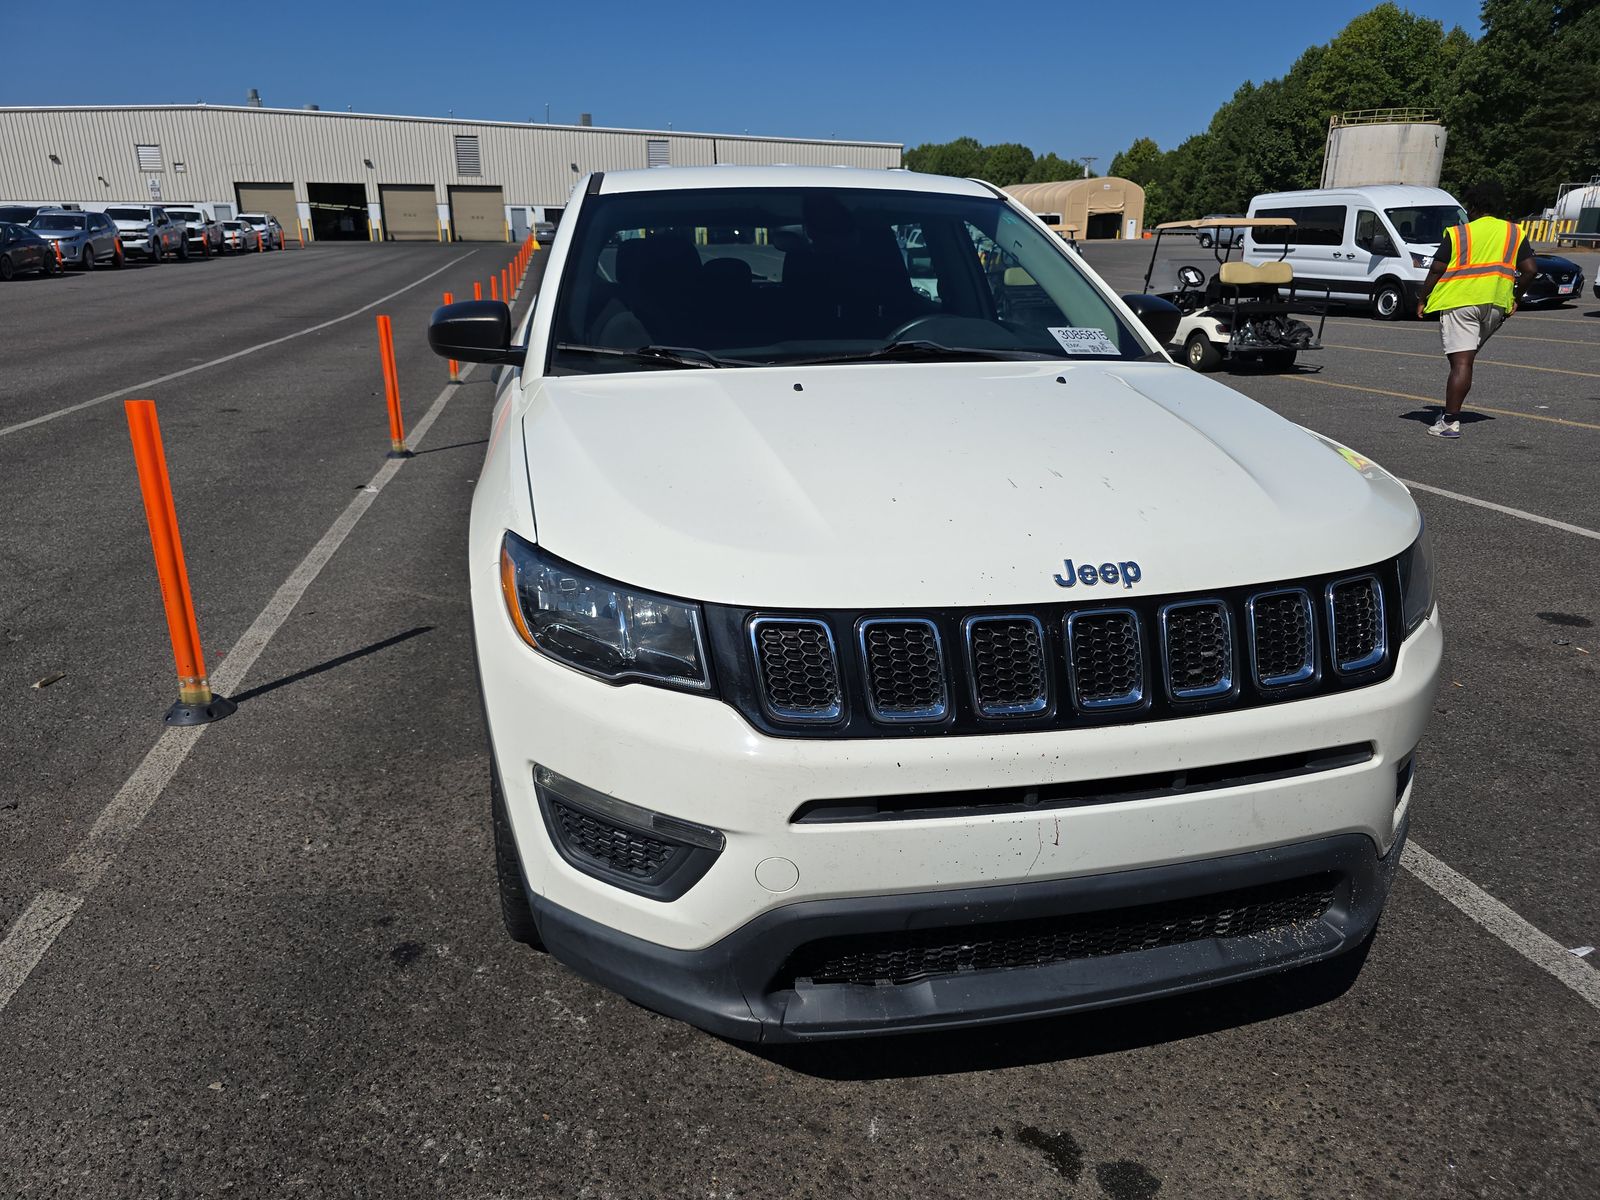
point(88, 258)
point(514, 910)
point(1205, 240)
point(118, 258)
point(1389, 301)
point(1200, 354)
point(1279, 360)
point(155, 254)
point(8, 269)
point(183, 250)
point(205, 248)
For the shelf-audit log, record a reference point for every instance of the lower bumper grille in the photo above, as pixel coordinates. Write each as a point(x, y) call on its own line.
point(911, 955)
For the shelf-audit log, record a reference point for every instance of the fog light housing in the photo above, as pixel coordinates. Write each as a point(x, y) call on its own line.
point(633, 848)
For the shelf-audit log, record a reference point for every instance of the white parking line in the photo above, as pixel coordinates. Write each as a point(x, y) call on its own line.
point(1501, 508)
point(1542, 950)
point(149, 383)
point(50, 912)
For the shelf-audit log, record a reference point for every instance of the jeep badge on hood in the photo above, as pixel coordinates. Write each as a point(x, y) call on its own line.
point(1127, 573)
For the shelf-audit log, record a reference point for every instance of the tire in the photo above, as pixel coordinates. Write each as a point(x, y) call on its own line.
point(1200, 354)
point(1389, 300)
point(1205, 241)
point(88, 257)
point(205, 248)
point(183, 249)
point(8, 269)
point(118, 258)
point(154, 257)
point(514, 911)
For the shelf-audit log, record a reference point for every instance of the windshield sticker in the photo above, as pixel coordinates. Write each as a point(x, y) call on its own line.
point(1083, 341)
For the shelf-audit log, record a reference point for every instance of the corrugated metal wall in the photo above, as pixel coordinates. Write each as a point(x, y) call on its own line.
point(219, 147)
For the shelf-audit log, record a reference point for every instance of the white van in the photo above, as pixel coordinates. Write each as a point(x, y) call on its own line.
point(1369, 245)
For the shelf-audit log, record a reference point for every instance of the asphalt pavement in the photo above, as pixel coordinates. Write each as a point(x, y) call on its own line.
point(289, 979)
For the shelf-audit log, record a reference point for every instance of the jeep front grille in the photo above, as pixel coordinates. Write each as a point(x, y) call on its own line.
point(855, 674)
point(1355, 610)
point(799, 669)
point(904, 668)
point(1106, 661)
point(1007, 661)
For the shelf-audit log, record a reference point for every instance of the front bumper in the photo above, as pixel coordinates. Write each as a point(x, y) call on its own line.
point(743, 986)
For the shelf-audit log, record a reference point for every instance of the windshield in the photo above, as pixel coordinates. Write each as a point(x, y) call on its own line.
point(766, 276)
point(1425, 225)
point(183, 214)
point(57, 221)
point(128, 214)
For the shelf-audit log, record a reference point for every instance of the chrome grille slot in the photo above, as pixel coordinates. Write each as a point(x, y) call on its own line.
point(799, 669)
point(1006, 658)
point(1355, 614)
point(1197, 644)
point(1104, 659)
point(1283, 642)
point(904, 670)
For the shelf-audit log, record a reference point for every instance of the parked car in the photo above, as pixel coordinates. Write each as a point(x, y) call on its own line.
point(239, 236)
point(1221, 235)
point(23, 251)
point(203, 233)
point(20, 214)
point(267, 227)
point(544, 232)
point(808, 713)
point(1370, 245)
point(1557, 281)
point(147, 232)
point(85, 239)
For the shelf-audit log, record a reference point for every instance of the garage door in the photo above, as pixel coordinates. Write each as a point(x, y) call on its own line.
point(409, 212)
point(274, 198)
point(478, 214)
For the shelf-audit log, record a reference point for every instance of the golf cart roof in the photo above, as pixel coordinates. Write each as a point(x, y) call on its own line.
point(1229, 223)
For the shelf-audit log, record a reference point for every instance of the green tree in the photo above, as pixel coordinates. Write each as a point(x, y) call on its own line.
point(962, 158)
point(1006, 163)
point(1051, 168)
point(1140, 162)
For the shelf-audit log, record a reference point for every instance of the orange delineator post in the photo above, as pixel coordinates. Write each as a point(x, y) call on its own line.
point(494, 288)
point(391, 389)
point(196, 704)
point(60, 262)
point(505, 285)
point(477, 289)
point(454, 366)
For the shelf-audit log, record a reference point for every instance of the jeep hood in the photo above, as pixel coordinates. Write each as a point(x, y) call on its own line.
point(901, 485)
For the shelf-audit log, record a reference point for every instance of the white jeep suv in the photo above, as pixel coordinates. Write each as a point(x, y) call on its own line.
point(859, 657)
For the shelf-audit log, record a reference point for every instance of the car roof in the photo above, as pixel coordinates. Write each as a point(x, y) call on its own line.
point(664, 179)
point(1382, 195)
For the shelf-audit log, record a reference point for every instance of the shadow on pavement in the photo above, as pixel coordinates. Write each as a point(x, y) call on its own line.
point(331, 664)
point(1080, 1035)
point(1427, 416)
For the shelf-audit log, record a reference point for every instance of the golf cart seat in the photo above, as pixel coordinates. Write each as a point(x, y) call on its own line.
point(1244, 275)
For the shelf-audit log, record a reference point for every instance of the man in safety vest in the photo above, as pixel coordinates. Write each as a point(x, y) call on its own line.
point(1480, 271)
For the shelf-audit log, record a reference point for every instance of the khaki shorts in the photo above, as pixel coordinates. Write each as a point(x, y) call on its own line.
point(1470, 327)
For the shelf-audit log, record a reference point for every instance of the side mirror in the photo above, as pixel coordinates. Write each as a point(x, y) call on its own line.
point(474, 331)
point(1383, 247)
point(1160, 316)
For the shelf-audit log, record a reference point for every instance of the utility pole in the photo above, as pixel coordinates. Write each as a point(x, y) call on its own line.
point(1086, 160)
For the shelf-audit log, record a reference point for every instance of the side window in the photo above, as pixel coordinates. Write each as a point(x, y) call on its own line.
point(1018, 298)
point(1321, 225)
point(1274, 237)
point(1371, 236)
point(913, 242)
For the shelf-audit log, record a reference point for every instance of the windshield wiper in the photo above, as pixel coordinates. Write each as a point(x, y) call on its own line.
point(681, 356)
point(915, 349)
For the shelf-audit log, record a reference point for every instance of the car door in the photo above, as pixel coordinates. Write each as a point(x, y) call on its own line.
point(1376, 254)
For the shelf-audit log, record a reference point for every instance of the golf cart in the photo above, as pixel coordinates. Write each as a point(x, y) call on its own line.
point(1239, 313)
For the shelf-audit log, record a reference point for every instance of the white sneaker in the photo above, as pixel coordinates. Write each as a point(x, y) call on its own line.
point(1443, 428)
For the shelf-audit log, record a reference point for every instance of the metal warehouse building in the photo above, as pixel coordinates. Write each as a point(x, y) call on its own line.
point(338, 176)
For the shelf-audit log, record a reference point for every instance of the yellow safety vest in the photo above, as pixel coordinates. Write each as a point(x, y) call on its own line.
point(1483, 266)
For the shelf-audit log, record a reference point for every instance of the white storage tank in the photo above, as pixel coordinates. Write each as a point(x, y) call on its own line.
point(1383, 145)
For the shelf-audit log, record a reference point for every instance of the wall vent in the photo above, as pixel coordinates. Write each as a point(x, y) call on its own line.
point(149, 157)
point(655, 153)
point(468, 161)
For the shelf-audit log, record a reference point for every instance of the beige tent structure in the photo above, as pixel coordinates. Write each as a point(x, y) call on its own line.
point(1098, 208)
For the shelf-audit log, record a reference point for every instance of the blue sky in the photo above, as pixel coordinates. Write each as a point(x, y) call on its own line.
point(1075, 79)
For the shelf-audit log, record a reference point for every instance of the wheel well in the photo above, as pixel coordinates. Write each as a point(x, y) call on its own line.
point(1386, 279)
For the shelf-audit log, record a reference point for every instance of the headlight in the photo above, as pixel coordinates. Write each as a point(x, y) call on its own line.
point(1421, 260)
point(1416, 581)
point(605, 628)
